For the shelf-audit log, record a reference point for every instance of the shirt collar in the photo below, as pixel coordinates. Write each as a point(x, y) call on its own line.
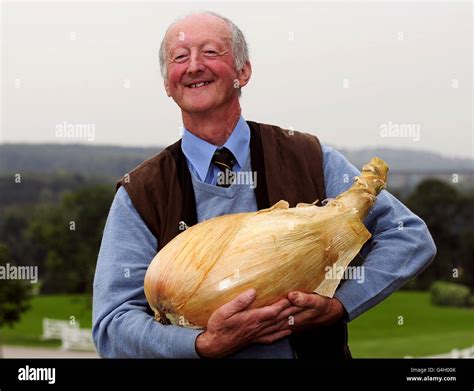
point(199, 152)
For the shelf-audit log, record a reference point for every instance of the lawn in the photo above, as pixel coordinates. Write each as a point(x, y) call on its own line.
point(426, 329)
point(28, 330)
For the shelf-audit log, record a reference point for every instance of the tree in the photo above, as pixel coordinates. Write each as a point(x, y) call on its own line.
point(448, 215)
point(14, 294)
point(70, 234)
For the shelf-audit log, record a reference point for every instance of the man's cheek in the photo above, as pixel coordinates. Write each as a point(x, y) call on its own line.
point(174, 78)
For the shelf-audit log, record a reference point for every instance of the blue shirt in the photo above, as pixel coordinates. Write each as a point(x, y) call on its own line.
point(121, 326)
point(199, 152)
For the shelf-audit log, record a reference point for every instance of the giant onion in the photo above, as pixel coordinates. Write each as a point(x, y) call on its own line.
point(274, 251)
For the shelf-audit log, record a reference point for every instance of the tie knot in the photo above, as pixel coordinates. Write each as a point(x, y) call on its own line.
point(224, 159)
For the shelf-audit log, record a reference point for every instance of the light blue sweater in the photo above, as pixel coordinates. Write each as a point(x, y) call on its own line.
point(122, 328)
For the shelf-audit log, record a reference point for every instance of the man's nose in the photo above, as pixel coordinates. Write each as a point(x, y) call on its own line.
point(195, 63)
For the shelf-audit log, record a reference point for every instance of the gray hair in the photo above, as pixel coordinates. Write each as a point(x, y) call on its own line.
point(239, 46)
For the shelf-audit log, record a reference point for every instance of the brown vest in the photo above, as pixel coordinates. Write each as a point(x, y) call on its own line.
point(289, 167)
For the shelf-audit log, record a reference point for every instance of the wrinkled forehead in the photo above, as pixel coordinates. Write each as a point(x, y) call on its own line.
point(197, 30)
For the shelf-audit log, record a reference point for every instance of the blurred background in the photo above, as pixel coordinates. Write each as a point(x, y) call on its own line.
point(83, 103)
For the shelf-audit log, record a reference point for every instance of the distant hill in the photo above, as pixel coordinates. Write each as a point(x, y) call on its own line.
point(111, 162)
point(406, 160)
point(49, 170)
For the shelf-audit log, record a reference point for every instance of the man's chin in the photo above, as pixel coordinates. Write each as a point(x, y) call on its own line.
point(196, 107)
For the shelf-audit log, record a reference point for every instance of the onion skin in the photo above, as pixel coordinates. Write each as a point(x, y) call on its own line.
point(274, 251)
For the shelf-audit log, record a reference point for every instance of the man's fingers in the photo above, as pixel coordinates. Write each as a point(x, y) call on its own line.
point(270, 338)
point(281, 304)
point(305, 300)
point(270, 312)
point(301, 320)
point(240, 303)
point(273, 327)
point(290, 311)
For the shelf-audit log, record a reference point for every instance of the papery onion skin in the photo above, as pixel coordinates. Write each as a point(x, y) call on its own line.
point(274, 251)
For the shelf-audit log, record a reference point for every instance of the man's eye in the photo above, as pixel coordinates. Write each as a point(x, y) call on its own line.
point(181, 57)
point(211, 52)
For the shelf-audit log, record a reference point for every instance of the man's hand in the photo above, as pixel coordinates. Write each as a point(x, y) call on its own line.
point(314, 310)
point(233, 326)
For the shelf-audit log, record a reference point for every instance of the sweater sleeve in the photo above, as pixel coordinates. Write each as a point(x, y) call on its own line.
point(400, 248)
point(121, 325)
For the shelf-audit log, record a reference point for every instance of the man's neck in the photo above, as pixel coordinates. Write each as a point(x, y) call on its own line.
point(214, 127)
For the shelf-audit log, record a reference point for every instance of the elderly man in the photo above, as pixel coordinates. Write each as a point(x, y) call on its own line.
point(204, 63)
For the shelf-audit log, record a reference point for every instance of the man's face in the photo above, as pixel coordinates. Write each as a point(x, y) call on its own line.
point(201, 70)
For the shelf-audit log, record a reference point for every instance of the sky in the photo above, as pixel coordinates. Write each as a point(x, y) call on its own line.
point(356, 74)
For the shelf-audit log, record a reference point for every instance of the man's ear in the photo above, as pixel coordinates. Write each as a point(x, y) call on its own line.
point(167, 87)
point(244, 74)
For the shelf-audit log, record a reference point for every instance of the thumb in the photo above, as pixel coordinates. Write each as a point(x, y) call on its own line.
point(305, 300)
point(240, 303)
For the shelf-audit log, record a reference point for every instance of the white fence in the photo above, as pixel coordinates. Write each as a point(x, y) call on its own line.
point(53, 328)
point(457, 353)
point(454, 353)
point(77, 339)
point(71, 335)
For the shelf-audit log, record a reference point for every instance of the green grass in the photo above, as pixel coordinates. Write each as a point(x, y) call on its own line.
point(28, 330)
point(426, 329)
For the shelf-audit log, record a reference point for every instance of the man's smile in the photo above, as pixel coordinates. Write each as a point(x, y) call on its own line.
point(199, 84)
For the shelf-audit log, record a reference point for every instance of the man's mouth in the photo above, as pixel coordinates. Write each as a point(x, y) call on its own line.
point(199, 84)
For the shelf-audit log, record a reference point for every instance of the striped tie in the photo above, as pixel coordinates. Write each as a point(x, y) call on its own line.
point(224, 160)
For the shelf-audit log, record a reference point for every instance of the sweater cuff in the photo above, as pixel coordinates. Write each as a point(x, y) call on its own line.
point(351, 299)
point(186, 342)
